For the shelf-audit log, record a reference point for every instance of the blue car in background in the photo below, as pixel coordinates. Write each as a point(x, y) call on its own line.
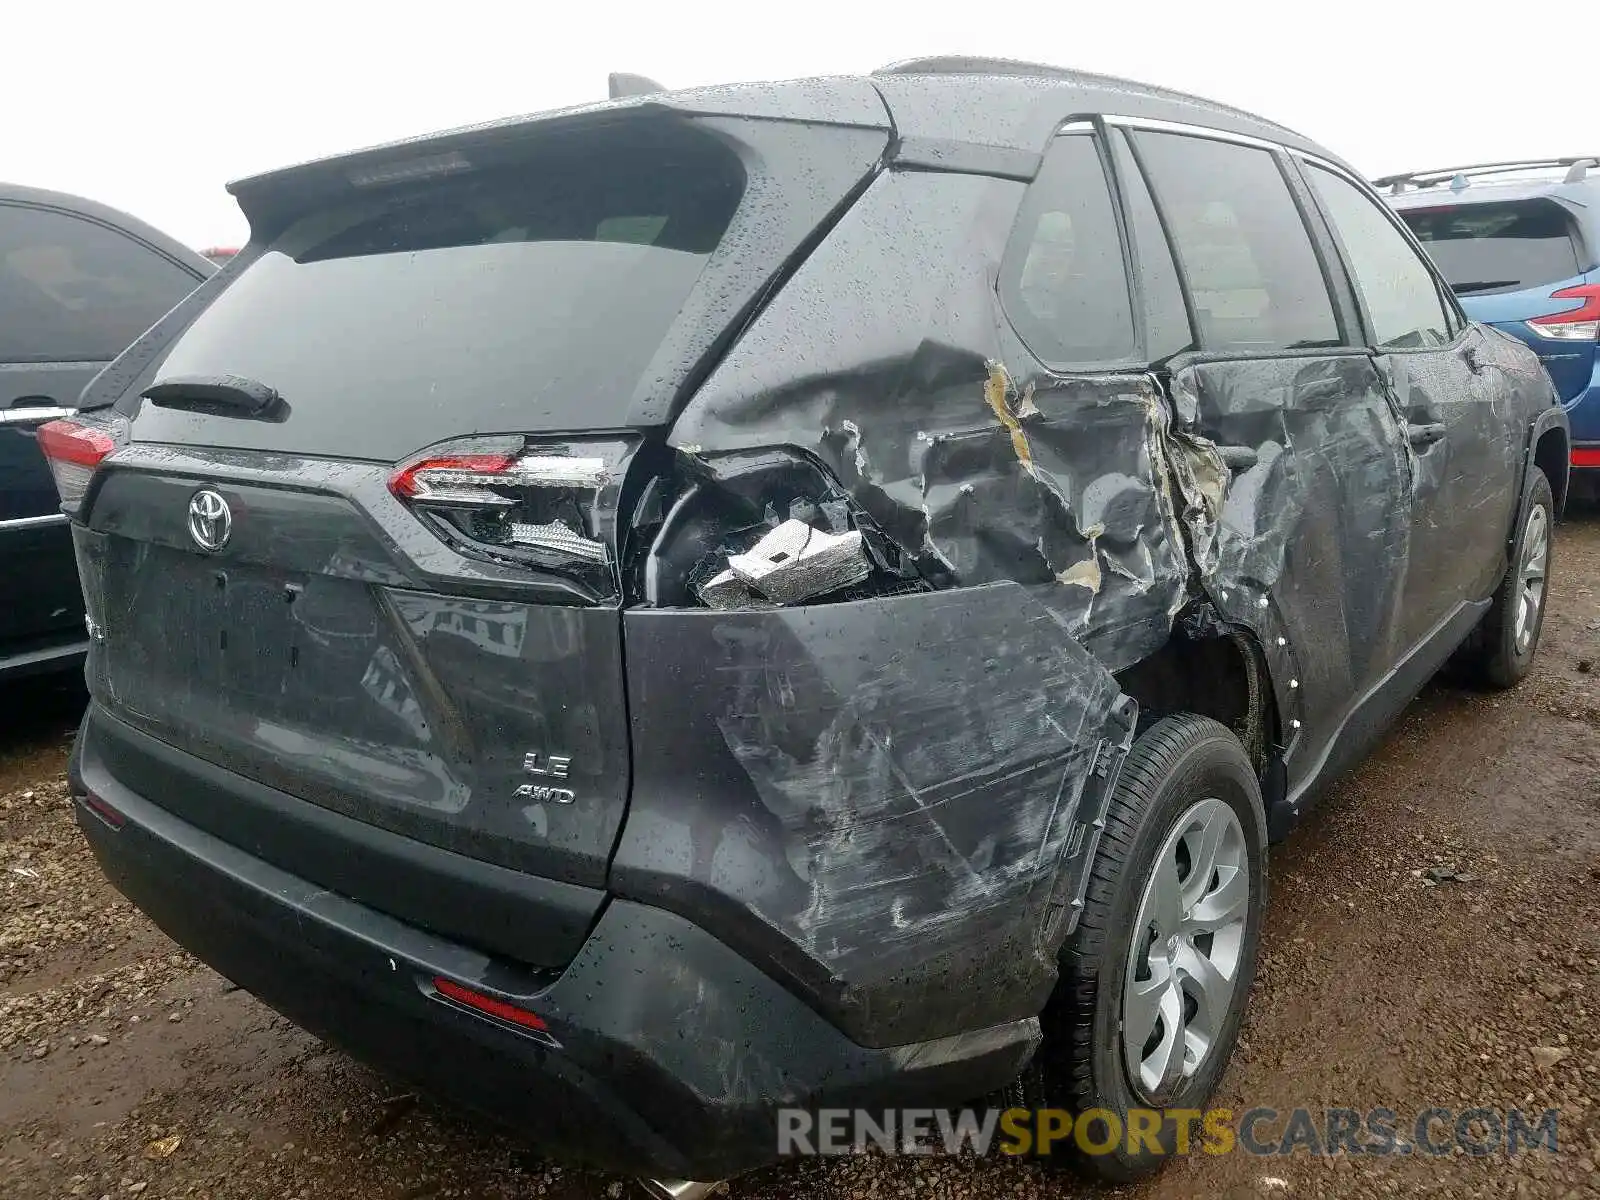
point(1518, 242)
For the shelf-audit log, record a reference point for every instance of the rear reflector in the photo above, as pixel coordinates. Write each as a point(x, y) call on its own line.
point(74, 449)
point(487, 1005)
point(104, 811)
point(1586, 458)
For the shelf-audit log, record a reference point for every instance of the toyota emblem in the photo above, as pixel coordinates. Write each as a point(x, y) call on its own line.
point(210, 520)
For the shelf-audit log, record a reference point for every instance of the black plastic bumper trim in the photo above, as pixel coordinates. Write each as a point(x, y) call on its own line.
point(675, 1052)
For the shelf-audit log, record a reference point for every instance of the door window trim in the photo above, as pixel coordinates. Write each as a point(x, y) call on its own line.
point(1094, 128)
point(1185, 298)
point(1455, 317)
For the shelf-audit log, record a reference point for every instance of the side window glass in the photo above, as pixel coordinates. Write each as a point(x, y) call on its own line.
point(1064, 284)
point(1399, 292)
point(73, 290)
point(1253, 275)
point(1167, 320)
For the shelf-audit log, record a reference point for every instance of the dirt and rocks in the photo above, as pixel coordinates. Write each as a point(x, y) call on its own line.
point(1433, 940)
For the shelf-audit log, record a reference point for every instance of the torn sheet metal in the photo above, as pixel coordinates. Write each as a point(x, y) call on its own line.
point(1304, 538)
point(893, 785)
point(964, 451)
point(791, 564)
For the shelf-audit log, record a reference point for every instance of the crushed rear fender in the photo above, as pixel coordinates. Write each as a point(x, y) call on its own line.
point(892, 802)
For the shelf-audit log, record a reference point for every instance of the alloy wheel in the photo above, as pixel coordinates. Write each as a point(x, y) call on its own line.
point(1531, 577)
point(1187, 947)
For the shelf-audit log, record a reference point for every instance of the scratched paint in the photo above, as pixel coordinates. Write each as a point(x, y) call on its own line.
point(896, 785)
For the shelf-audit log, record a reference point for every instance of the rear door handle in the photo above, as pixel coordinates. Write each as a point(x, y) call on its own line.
point(1424, 435)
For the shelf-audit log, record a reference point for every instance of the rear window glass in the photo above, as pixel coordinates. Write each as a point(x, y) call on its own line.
point(1494, 247)
point(521, 298)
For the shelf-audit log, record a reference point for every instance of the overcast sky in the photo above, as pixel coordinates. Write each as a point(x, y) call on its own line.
point(152, 106)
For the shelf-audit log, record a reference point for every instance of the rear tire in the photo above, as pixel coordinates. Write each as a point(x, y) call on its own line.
point(1183, 773)
point(1509, 637)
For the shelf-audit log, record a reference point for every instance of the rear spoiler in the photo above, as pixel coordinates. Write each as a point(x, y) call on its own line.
point(271, 200)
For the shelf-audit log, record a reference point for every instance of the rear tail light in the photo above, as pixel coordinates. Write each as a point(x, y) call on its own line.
point(1581, 324)
point(1586, 458)
point(612, 521)
point(764, 529)
point(551, 508)
point(75, 449)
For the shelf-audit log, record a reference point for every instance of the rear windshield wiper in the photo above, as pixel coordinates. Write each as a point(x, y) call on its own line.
point(1481, 285)
point(218, 396)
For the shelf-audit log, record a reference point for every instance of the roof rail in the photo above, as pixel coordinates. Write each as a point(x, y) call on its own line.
point(1459, 177)
point(977, 64)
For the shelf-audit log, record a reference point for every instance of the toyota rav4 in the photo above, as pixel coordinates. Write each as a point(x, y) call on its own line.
point(802, 595)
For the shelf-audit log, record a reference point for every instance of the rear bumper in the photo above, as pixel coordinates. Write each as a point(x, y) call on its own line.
point(667, 1054)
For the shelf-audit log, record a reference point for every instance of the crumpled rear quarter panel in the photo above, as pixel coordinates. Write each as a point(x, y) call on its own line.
point(888, 358)
point(888, 799)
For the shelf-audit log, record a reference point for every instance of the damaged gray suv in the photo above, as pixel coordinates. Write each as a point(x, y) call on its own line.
point(785, 596)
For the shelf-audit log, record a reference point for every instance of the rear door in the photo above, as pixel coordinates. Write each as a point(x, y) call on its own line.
point(73, 292)
point(1467, 439)
point(1308, 543)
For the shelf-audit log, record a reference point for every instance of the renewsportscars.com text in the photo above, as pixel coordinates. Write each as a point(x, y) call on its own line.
point(1266, 1132)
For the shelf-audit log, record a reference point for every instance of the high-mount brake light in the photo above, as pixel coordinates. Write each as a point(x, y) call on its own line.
point(1581, 324)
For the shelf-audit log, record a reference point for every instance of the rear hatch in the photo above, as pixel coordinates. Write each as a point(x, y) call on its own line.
point(363, 545)
point(1512, 262)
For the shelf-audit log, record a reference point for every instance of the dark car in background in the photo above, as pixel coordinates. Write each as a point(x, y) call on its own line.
point(785, 595)
point(78, 282)
point(1520, 244)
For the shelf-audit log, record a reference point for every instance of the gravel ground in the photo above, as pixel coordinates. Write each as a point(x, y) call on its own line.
point(127, 1069)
